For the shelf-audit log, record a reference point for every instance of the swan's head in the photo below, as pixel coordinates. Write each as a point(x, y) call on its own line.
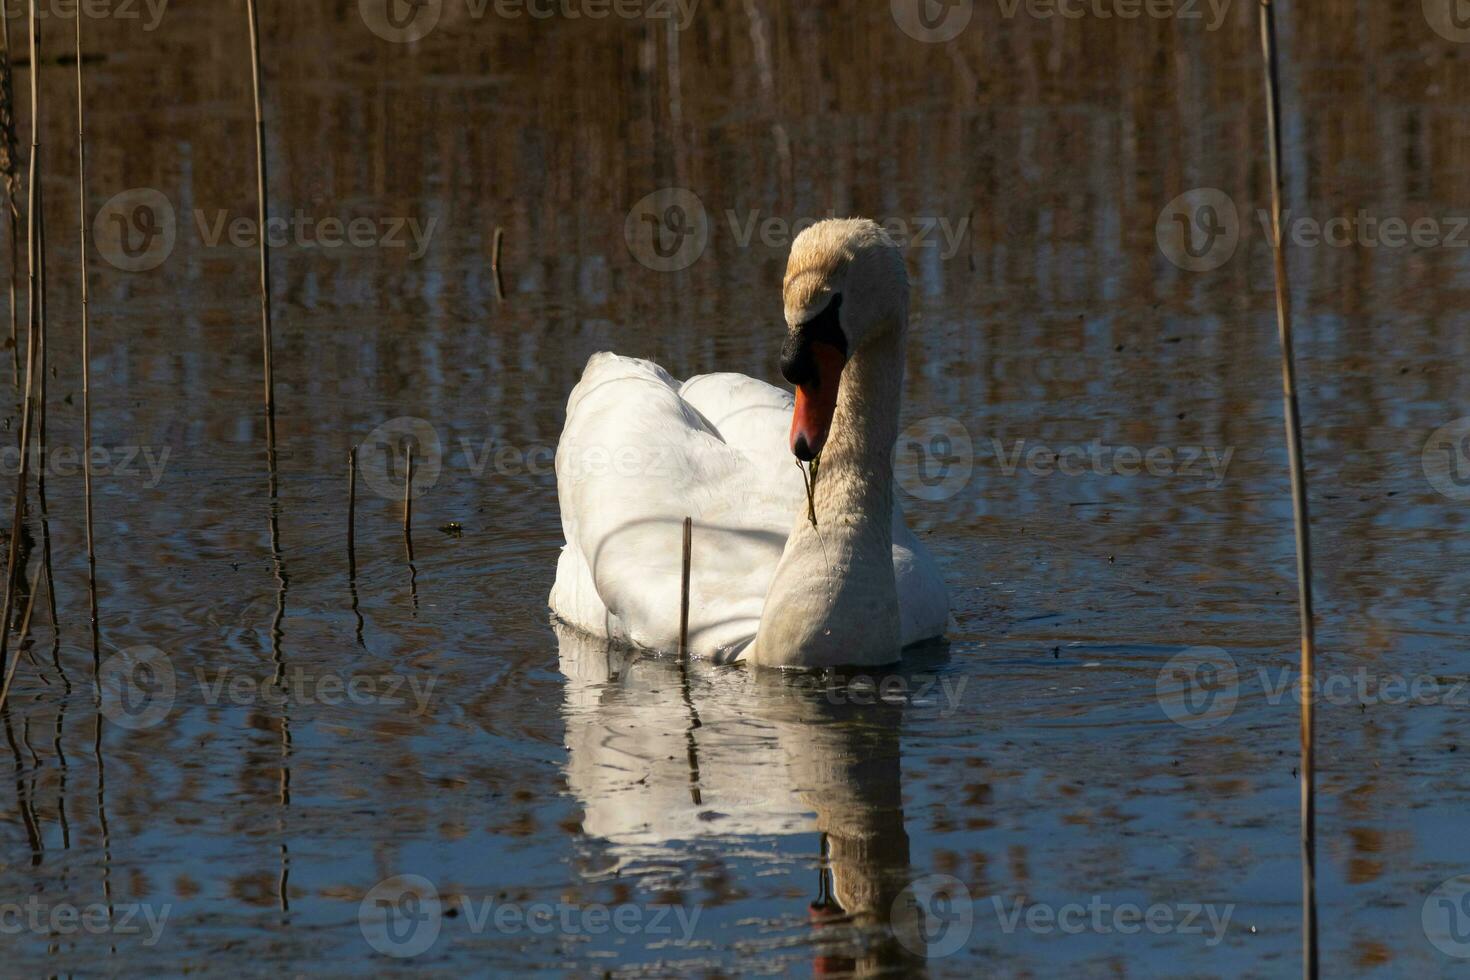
point(845, 285)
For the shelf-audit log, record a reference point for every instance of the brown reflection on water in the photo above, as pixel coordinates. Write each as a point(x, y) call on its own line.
point(1049, 148)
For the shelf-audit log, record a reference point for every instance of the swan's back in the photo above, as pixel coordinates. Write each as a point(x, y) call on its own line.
point(636, 458)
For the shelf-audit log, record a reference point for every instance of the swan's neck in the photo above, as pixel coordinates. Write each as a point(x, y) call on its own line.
point(833, 600)
point(854, 486)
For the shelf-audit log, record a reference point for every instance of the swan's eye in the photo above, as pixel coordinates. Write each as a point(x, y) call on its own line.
point(798, 366)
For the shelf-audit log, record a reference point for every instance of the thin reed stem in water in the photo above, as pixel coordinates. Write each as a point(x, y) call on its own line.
point(43, 360)
point(10, 175)
point(86, 332)
point(408, 499)
point(352, 540)
point(684, 589)
point(495, 262)
point(1300, 514)
point(43, 354)
point(352, 509)
point(25, 628)
point(28, 406)
point(265, 269)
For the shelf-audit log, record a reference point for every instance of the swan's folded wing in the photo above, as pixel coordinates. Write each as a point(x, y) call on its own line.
point(753, 417)
point(635, 459)
point(923, 598)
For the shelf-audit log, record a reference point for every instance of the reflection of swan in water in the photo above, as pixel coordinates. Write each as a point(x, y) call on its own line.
point(660, 753)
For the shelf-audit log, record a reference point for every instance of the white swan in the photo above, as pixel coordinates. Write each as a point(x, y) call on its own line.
point(640, 451)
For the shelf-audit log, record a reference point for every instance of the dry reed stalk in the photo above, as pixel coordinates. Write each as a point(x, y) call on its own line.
point(408, 500)
point(352, 540)
point(42, 358)
point(265, 269)
point(495, 262)
point(10, 177)
point(352, 509)
point(28, 409)
point(25, 628)
point(42, 355)
point(86, 333)
point(1300, 514)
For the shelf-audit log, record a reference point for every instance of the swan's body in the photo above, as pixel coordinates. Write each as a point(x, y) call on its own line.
point(641, 451)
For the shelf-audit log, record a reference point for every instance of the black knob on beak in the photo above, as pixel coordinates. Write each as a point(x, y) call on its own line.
point(797, 364)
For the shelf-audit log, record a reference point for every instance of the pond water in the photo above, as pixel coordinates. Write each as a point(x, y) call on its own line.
point(401, 766)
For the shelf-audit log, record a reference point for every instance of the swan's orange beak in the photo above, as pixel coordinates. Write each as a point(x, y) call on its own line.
point(816, 400)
